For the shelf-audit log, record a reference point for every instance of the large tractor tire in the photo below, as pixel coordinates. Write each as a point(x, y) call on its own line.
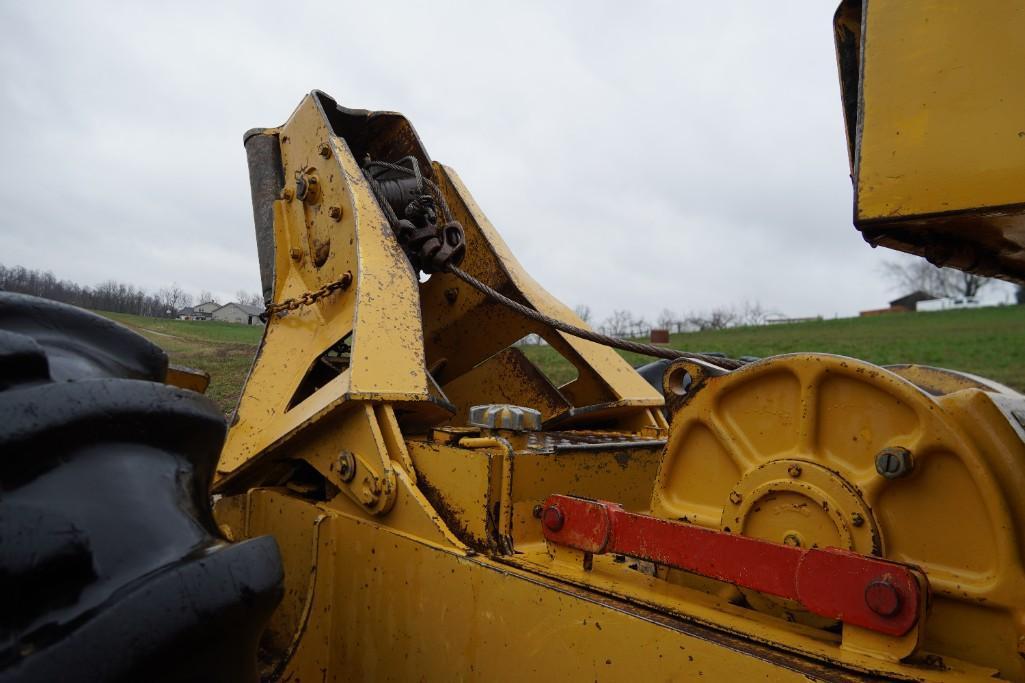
point(111, 565)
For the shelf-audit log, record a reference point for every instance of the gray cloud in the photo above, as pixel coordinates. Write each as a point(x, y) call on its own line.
point(677, 155)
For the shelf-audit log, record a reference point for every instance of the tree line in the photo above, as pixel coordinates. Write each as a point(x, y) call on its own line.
point(625, 324)
point(118, 297)
point(906, 276)
point(111, 295)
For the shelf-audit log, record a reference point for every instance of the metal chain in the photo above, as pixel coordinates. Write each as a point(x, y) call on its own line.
point(589, 335)
point(308, 298)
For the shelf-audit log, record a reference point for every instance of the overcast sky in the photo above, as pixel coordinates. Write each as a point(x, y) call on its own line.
point(681, 155)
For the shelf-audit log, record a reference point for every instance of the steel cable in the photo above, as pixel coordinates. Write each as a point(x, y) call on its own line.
point(590, 335)
point(525, 311)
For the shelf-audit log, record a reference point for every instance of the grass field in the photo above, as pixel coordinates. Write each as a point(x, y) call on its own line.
point(225, 350)
point(988, 341)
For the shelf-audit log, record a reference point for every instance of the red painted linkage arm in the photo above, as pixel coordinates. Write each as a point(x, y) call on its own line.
point(856, 589)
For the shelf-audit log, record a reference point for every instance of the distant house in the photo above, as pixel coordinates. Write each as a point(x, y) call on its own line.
point(904, 304)
point(201, 312)
point(908, 302)
point(238, 313)
point(947, 303)
point(207, 307)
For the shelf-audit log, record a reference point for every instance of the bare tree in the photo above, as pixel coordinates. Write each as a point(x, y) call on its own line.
point(639, 327)
point(754, 314)
point(917, 274)
point(716, 319)
point(206, 295)
point(248, 298)
point(173, 299)
point(583, 312)
point(666, 319)
point(721, 318)
point(618, 324)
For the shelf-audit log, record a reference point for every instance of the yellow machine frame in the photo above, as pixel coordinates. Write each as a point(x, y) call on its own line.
point(409, 538)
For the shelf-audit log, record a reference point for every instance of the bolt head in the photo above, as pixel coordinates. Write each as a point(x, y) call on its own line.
point(794, 471)
point(346, 466)
point(538, 511)
point(857, 519)
point(792, 540)
point(552, 518)
point(882, 597)
point(335, 212)
point(735, 497)
point(894, 462)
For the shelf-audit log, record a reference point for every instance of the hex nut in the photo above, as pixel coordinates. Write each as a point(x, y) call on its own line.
point(894, 462)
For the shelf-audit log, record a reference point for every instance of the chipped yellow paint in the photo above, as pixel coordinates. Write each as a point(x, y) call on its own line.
point(824, 419)
point(410, 539)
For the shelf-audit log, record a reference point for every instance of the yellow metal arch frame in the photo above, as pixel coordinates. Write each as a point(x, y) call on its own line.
point(398, 327)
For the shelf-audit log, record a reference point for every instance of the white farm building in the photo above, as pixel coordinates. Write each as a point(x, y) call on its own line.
point(238, 313)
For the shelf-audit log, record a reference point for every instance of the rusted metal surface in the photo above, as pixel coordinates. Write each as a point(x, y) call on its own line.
point(565, 441)
point(476, 615)
point(734, 437)
point(187, 378)
point(266, 181)
point(941, 381)
point(507, 377)
point(829, 582)
point(780, 451)
point(505, 416)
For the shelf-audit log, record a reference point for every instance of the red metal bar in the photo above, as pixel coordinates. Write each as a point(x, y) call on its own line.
point(856, 589)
